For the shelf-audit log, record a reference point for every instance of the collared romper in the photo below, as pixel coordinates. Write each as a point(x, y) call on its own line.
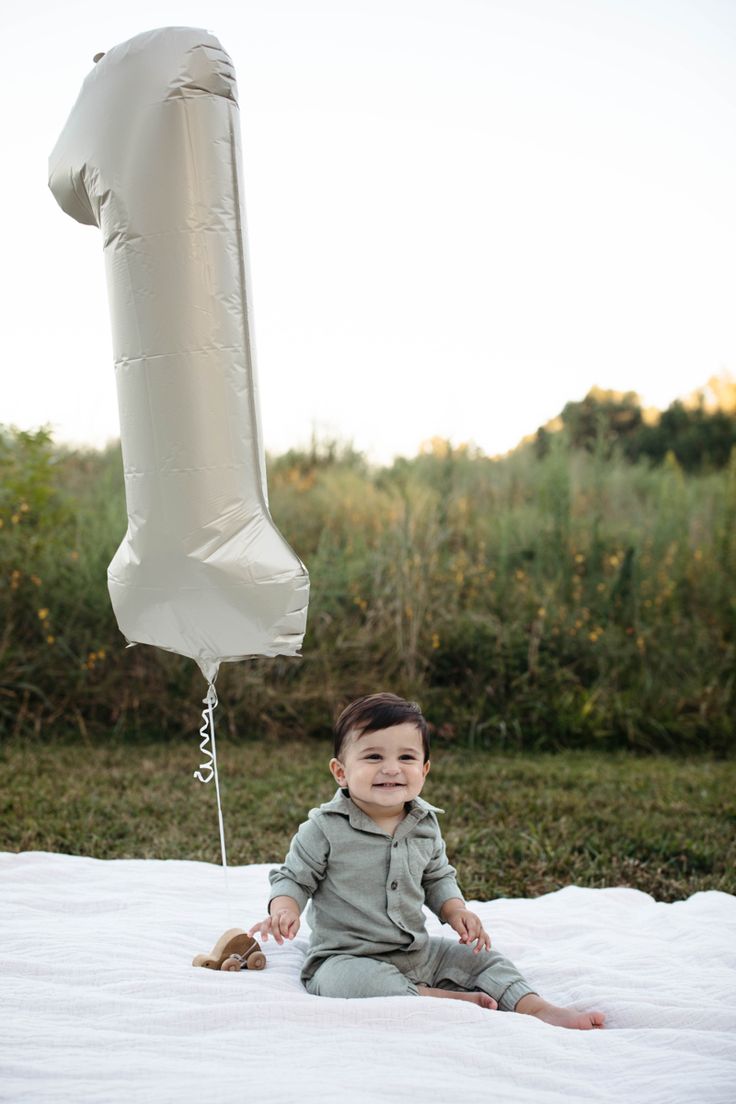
point(366, 892)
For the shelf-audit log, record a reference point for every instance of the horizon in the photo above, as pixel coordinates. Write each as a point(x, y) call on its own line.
point(718, 394)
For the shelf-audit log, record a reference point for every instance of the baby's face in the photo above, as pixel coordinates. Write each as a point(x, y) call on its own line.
point(382, 769)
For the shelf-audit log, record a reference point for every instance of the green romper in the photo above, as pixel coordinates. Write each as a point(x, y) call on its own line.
point(366, 891)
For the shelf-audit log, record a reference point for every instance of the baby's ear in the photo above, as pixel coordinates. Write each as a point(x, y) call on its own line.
point(338, 771)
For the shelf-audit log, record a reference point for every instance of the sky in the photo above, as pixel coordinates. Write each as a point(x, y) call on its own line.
point(461, 213)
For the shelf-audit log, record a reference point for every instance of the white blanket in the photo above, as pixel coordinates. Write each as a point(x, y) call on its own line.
point(100, 1003)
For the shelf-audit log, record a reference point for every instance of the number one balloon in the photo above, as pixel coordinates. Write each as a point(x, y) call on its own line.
point(151, 155)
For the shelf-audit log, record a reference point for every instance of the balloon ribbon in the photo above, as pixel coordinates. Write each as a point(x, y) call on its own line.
point(207, 733)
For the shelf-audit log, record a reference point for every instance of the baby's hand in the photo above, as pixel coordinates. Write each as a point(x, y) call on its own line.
point(470, 929)
point(283, 924)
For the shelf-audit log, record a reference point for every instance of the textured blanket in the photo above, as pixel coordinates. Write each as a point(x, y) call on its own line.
point(99, 1001)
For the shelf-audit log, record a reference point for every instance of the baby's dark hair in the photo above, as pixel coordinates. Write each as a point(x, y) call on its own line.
point(377, 711)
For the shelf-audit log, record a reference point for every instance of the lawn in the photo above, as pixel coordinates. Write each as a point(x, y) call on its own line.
point(515, 826)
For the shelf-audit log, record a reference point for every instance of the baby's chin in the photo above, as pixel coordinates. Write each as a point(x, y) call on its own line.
point(395, 793)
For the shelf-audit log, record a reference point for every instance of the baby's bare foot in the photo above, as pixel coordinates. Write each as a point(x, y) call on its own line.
point(481, 999)
point(532, 1005)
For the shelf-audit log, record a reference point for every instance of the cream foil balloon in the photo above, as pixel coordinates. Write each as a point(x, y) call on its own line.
point(151, 154)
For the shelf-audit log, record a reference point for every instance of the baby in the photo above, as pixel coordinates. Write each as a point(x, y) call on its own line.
point(369, 860)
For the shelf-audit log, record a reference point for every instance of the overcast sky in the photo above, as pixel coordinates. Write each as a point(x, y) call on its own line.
point(462, 213)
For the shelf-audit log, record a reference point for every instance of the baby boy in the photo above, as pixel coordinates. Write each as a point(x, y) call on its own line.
point(369, 860)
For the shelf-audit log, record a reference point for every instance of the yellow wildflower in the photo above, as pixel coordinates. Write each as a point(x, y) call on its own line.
point(43, 614)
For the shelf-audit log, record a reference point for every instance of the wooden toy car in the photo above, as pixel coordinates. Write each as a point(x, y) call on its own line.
point(234, 950)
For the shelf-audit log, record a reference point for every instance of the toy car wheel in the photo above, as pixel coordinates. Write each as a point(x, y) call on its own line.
point(232, 963)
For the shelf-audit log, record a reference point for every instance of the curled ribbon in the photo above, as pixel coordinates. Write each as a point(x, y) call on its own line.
point(207, 732)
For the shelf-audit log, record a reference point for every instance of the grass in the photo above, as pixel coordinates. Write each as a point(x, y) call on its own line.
point(515, 825)
point(571, 601)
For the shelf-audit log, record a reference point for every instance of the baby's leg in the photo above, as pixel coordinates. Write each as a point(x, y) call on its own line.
point(457, 964)
point(359, 976)
point(476, 997)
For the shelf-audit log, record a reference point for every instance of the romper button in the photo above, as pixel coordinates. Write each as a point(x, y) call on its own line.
point(394, 885)
point(396, 845)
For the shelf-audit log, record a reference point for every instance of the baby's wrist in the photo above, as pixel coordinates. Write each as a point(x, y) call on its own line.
point(451, 907)
point(281, 904)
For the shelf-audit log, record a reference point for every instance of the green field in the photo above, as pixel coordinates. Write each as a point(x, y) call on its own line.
point(515, 825)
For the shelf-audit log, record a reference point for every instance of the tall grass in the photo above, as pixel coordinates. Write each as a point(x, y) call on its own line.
point(575, 600)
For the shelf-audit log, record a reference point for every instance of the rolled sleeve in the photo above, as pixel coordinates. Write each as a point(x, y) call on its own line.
point(304, 866)
point(439, 880)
